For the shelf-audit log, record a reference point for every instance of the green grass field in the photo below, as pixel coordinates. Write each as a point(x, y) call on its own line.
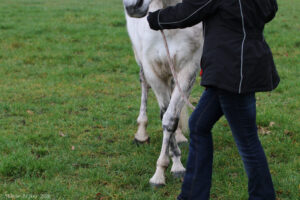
point(70, 95)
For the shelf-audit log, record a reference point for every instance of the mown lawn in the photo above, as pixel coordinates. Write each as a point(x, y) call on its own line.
point(69, 99)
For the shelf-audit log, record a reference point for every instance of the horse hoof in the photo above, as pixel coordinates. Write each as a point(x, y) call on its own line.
point(156, 186)
point(178, 175)
point(137, 142)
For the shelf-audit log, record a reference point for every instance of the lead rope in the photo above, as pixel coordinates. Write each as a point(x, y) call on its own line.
point(174, 73)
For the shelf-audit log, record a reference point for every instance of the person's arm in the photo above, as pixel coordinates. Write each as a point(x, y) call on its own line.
point(185, 14)
point(272, 8)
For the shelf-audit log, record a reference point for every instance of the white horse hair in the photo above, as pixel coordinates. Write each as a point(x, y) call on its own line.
point(185, 47)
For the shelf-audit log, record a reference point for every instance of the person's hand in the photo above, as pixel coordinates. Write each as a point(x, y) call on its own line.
point(153, 20)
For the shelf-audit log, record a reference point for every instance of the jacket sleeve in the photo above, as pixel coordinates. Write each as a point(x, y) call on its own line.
point(272, 8)
point(182, 15)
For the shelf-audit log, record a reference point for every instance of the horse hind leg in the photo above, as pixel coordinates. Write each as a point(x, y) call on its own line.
point(141, 135)
point(182, 126)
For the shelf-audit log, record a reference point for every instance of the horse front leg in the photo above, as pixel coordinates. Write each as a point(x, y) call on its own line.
point(170, 124)
point(177, 169)
point(141, 135)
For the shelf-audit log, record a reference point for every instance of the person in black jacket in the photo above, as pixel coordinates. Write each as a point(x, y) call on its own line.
point(236, 63)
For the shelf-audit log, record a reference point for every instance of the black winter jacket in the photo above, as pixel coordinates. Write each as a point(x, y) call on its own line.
point(235, 56)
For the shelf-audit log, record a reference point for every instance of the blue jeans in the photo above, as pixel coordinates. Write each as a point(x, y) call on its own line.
point(240, 112)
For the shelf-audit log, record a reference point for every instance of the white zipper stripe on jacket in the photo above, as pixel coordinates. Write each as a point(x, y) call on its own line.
point(208, 2)
point(242, 49)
